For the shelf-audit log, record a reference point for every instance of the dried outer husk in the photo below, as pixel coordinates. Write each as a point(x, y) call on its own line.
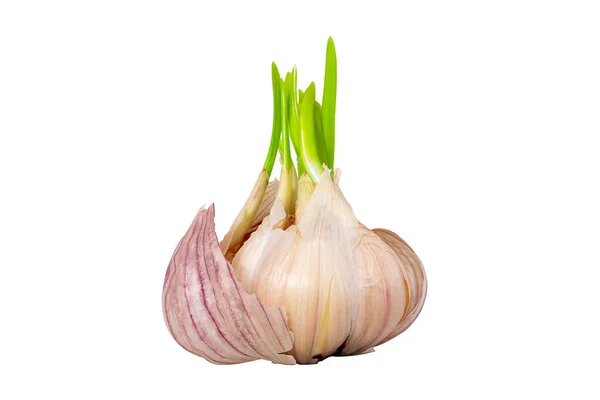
point(257, 207)
point(208, 312)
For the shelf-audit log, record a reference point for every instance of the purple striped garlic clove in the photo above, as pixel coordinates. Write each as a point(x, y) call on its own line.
point(208, 312)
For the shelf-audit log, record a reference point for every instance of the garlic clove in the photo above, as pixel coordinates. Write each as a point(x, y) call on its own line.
point(207, 310)
point(305, 270)
point(414, 273)
point(305, 279)
point(379, 291)
point(257, 206)
point(260, 243)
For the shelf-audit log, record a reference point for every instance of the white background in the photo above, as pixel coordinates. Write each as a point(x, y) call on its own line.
point(468, 127)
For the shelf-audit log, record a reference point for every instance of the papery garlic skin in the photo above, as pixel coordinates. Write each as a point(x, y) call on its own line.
point(343, 288)
point(256, 208)
point(208, 312)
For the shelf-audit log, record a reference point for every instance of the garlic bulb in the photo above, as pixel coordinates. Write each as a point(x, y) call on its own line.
point(297, 278)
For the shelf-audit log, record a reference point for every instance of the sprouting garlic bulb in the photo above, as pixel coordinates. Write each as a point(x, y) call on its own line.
point(344, 289)
point(297, 278)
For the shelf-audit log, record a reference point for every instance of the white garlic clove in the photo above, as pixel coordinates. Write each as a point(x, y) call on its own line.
point(207, 310)
point(261, 242)
point(305, 269)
